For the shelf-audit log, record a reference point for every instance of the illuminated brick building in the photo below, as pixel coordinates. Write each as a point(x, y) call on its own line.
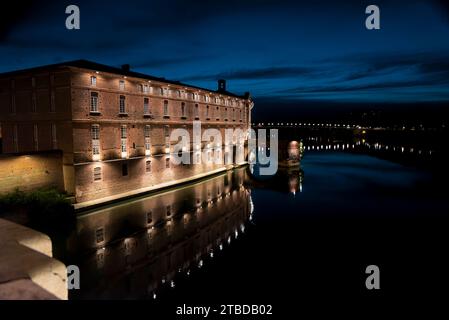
point(113, 125)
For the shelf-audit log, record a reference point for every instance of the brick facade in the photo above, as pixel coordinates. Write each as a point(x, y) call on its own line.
point(56, 107)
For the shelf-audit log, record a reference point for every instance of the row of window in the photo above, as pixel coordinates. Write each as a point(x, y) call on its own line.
point(15, 137)
point(166, 92)
point(95, 136)
point(97, 173)
point(147, 109)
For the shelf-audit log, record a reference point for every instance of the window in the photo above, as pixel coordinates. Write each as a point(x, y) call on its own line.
point(97, 173)
point(52, 102)
point(122, 105)
point(93, 81)
point(183, 109)
point(240, 115)
point(146, 106)
point(15, 140)
point(123, 140)
point(167, 139)
point(161, 91)
point(145, 88)
point(207, 112)
point(54, 140)
point(233, 114)
point(93, 102)
point(179, 93)
point(166, 108)
point(99, 235)
point(147, 135)
point(197, 114)
point(150, 217)
point(95, 134)
point(168, 208)
point(33, 102)
point(165, 92)
point(167, 163)
point(148, 166)
point(95, 130)
point(122, 85)
point(218, 113)
point(35, 137)
point(226, 114)
point(124, 169)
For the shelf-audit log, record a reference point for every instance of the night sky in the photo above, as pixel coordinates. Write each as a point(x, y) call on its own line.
point(295, 57)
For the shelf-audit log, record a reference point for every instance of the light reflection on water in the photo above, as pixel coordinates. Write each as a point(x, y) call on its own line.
point(331, 204)
point(132, 249)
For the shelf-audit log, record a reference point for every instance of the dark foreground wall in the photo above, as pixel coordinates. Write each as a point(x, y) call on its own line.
point(30, 172)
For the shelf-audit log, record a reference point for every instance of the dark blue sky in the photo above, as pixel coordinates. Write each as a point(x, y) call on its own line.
point(286, 52)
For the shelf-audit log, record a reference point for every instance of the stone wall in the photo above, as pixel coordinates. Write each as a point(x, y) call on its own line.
point(31, 172)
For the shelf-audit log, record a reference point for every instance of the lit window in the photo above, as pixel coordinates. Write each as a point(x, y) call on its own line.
point(147, 134)
point(97, 173)
point(93, 81)
point(93, 102)
point(122, 105)
point(95, 134)
point(122, 85)
point(123, 139)
point(167, 139)
point(146, 106)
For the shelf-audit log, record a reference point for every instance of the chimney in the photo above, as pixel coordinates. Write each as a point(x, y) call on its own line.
point(125, 67)
point(221, 85)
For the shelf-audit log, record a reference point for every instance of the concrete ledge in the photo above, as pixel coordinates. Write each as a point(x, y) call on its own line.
point(25, 236)
point(27, 269)
point(125, 195)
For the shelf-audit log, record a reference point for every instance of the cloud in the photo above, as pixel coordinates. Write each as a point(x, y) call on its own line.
point(261, 73)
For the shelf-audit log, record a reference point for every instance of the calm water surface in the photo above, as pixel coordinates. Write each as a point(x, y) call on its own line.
point(307, 233)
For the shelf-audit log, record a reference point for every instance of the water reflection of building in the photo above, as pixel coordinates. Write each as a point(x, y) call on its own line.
point(286, 179)
point(139, 246)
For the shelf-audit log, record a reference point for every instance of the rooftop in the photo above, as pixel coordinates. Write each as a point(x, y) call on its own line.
point(125, 71)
